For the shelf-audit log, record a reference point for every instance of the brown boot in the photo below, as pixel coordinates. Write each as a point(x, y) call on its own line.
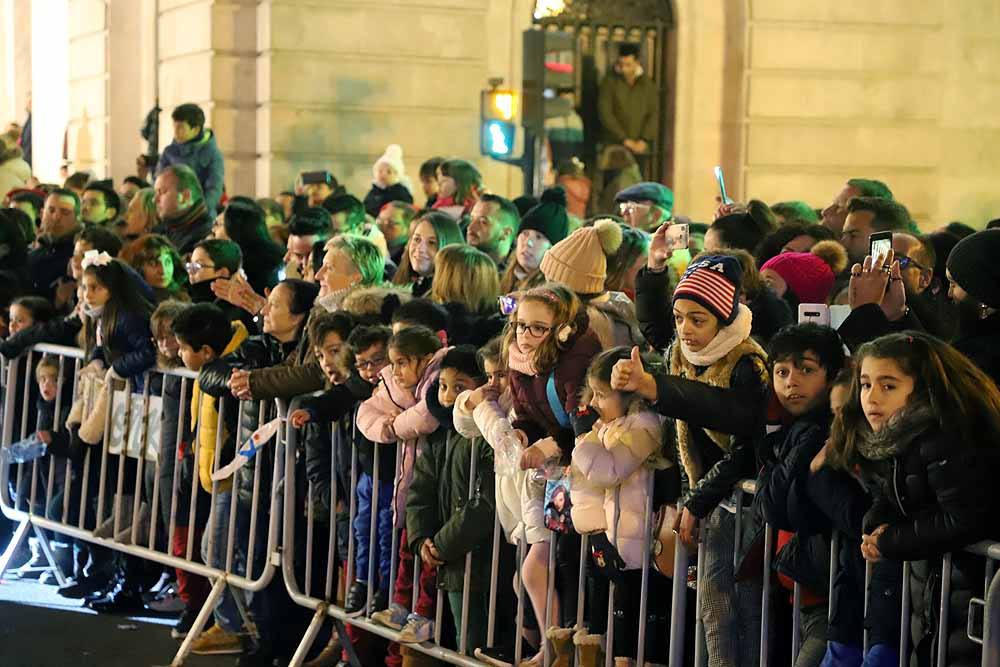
point(414, 658)
point(563, 651)
point(591, 649)
point(329, 656)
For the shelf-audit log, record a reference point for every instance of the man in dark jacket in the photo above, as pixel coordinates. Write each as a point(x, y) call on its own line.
point(194, 146)
point(974, 279)
point(180, 205)
point(60, 222)
point(629, 106)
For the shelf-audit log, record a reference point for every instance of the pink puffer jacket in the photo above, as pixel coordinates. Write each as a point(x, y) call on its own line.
point(377, 423)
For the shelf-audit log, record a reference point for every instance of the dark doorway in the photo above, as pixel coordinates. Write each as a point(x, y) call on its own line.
point(599, 27)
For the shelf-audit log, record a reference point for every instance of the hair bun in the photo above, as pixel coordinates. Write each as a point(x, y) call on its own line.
point(609, 234)
point(832, 254)
point(556, 195)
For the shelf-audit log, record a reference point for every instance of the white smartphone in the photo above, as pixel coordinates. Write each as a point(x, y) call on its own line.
point(817, 313)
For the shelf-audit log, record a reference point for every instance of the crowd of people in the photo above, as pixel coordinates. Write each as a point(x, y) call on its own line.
point(555, 373)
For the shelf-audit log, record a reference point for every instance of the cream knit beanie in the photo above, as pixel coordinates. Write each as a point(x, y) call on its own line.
point(580, 261)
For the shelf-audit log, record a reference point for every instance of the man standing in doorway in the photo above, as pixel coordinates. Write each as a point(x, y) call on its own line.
point(629, 107)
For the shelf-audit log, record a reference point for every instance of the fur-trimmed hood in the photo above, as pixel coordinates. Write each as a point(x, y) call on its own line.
point(376, 302)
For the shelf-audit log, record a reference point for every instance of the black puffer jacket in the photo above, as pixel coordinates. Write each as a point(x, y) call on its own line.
point(256, 352)
point(937, 494)
point(981, 344)
point(738, 410)
point(782, 500)
point(466, 327)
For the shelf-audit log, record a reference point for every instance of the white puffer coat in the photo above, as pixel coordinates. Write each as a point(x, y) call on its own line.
point(520, 498)
point(617, 456)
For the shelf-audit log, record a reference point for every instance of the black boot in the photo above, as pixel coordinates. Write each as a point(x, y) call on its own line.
point(123, 597)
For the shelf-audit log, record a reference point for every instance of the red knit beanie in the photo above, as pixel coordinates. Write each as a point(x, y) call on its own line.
point(808, 277)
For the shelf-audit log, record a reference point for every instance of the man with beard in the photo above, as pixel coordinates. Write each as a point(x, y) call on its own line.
point(917, 258)
point(835, 214)
point(493, 228)
point(974, 285)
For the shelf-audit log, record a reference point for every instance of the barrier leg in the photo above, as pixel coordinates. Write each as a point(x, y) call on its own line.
point(765, 598)
point(991, 620)
point(43, 542)
point(15, 542)
point(315, 625)
point(942, 644)
point(678, 605)
point(904, 620)
point(199, 622)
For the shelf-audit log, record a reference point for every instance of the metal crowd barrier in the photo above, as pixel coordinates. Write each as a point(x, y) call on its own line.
point(117, 526)
point(123, 517)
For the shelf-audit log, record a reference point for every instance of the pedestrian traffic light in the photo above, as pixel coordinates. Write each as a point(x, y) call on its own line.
point(549, 77)
point(497, 111)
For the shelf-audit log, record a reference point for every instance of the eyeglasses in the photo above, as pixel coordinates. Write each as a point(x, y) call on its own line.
point(905, 263)
point(626, 207)
point(536, 330)
point(195, 267)
point(371, 364)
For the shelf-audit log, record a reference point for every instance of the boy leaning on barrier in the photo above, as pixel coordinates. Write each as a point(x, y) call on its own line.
point(365, 348)
point(804, 360)
point(204, 334)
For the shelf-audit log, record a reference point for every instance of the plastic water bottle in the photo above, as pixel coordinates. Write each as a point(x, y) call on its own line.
point(507, 456)
point(26, 450)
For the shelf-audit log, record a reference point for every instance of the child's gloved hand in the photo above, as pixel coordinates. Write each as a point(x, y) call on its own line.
point(300, 418)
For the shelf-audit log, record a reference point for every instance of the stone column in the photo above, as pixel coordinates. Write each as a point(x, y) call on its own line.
point(207, 55)
point(339, 81)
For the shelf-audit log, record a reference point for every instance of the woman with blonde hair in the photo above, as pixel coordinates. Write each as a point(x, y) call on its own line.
point(140, 216)
point(466, 283)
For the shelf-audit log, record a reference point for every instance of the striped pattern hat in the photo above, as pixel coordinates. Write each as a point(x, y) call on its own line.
point(714, 282)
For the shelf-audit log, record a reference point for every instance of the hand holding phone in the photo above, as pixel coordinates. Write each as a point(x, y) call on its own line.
point(678, 236)
point(817, 313)
point(879, 246)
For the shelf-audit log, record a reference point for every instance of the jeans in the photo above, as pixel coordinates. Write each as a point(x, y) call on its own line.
point(383, 531)
point(730, 611)
point(227, 614)
point(846, 655)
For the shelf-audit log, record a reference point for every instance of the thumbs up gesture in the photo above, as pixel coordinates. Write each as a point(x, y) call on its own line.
point(630, 375)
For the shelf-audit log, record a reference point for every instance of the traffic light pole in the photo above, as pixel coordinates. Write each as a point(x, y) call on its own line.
point(526, 162)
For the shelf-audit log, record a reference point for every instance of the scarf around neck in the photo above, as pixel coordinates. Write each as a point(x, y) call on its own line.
point(519, 361)
point(188, 217)
point(725, 340)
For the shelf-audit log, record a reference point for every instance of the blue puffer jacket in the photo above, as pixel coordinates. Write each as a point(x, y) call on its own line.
point(202, 154)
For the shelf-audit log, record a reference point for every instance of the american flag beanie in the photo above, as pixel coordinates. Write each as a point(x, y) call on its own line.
point(714, 282)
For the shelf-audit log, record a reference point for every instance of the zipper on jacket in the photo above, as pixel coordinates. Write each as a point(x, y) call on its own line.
point(895, 487)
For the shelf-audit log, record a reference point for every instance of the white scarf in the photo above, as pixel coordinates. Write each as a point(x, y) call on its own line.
point(725, 340)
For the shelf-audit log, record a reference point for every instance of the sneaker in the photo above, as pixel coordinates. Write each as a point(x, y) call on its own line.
point(184, 623)
point(168, 602)
point(216, 641)
point(394, 617)
point(357, 598)
point(418, 630)
point(83, 587)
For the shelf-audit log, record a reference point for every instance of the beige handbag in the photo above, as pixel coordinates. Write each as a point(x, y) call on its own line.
point(664, 539)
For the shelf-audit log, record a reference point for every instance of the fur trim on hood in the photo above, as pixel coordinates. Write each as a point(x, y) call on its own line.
point(898, 435)
point(376, 301)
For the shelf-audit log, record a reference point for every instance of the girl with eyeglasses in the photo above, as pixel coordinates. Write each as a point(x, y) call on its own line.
point(547, 347)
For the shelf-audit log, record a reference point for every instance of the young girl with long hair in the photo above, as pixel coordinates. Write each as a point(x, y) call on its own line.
point(430, 232)
point(547, 347)
point(923, 423)
point(459, 187)
point(160, 265)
